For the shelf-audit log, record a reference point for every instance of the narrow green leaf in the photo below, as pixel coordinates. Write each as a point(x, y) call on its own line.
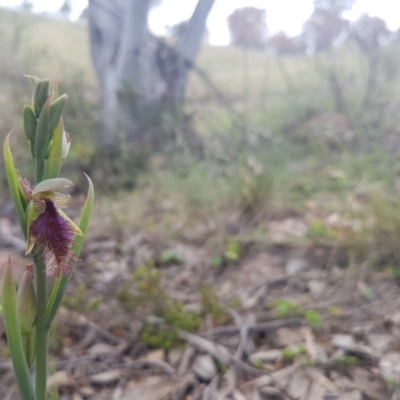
point(14, 338)
point(62, 281)
point(30, 123)
point(14, 185)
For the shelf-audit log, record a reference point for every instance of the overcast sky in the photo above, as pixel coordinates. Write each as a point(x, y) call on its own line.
point(287, 15)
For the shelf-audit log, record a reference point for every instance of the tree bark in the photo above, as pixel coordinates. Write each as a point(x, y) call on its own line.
point(190, 45)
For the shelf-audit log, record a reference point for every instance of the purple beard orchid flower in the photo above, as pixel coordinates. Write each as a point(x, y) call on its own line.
point(49, 228)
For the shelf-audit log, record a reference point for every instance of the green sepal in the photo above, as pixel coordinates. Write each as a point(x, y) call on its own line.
point(14, 185)
point(30, 123)
point(42, 137)
point(40, 95)
point(62, 281)
point(56, 110)
point(11, 321)
point(32, 215)
point(51, 185)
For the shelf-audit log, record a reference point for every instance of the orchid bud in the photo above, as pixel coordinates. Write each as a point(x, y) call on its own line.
point(30, 123)
point(56, 110)
point(42, 134)
point(40, 95)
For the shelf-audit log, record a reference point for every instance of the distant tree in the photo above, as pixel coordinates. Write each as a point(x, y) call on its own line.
point(26, 6)
point(396, 36)
point(178, 31)
point(66, 9)
point(143, 79)
point(336, 6)
point(248, 27)
point(370, 33)
point(323, 29)
point(83, 15)
point(281, 44)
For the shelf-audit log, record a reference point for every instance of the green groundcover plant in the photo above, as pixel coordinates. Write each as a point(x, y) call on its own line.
point(52, 239)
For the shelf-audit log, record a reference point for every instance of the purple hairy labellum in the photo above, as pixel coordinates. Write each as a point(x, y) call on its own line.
point(54, 236)
point(49, 229)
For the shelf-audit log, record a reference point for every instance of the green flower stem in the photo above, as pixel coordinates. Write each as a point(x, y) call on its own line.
point(42, 329)
point(39, 169)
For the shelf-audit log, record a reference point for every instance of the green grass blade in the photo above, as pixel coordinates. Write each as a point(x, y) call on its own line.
point(14, 185)
point(62, 281)
point(9, 303)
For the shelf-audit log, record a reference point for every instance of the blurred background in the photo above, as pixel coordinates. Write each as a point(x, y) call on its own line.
point(231, 142)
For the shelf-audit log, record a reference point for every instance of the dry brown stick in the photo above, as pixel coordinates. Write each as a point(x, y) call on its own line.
point(211, 389)
point(243, 325)
point(5, 367)
point(145, 364)
point(285, 278)
point(221, 353)
point(257, 328)
point(186, 359)
point(80, 321)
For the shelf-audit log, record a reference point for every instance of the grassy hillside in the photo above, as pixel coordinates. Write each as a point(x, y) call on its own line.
point(275, 142)
point(51, 47)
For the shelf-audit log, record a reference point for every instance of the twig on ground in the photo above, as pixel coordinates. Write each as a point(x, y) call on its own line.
point(186, 360)
point(146, 364)
point(211, 389)
point(243, 325)
point(222, 354)
point(257, 328)
point(80, 321)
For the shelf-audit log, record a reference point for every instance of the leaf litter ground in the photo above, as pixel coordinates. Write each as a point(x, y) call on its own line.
point(293, 325)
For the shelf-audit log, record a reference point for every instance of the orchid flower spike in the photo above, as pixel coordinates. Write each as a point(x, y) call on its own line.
point(49, 228)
